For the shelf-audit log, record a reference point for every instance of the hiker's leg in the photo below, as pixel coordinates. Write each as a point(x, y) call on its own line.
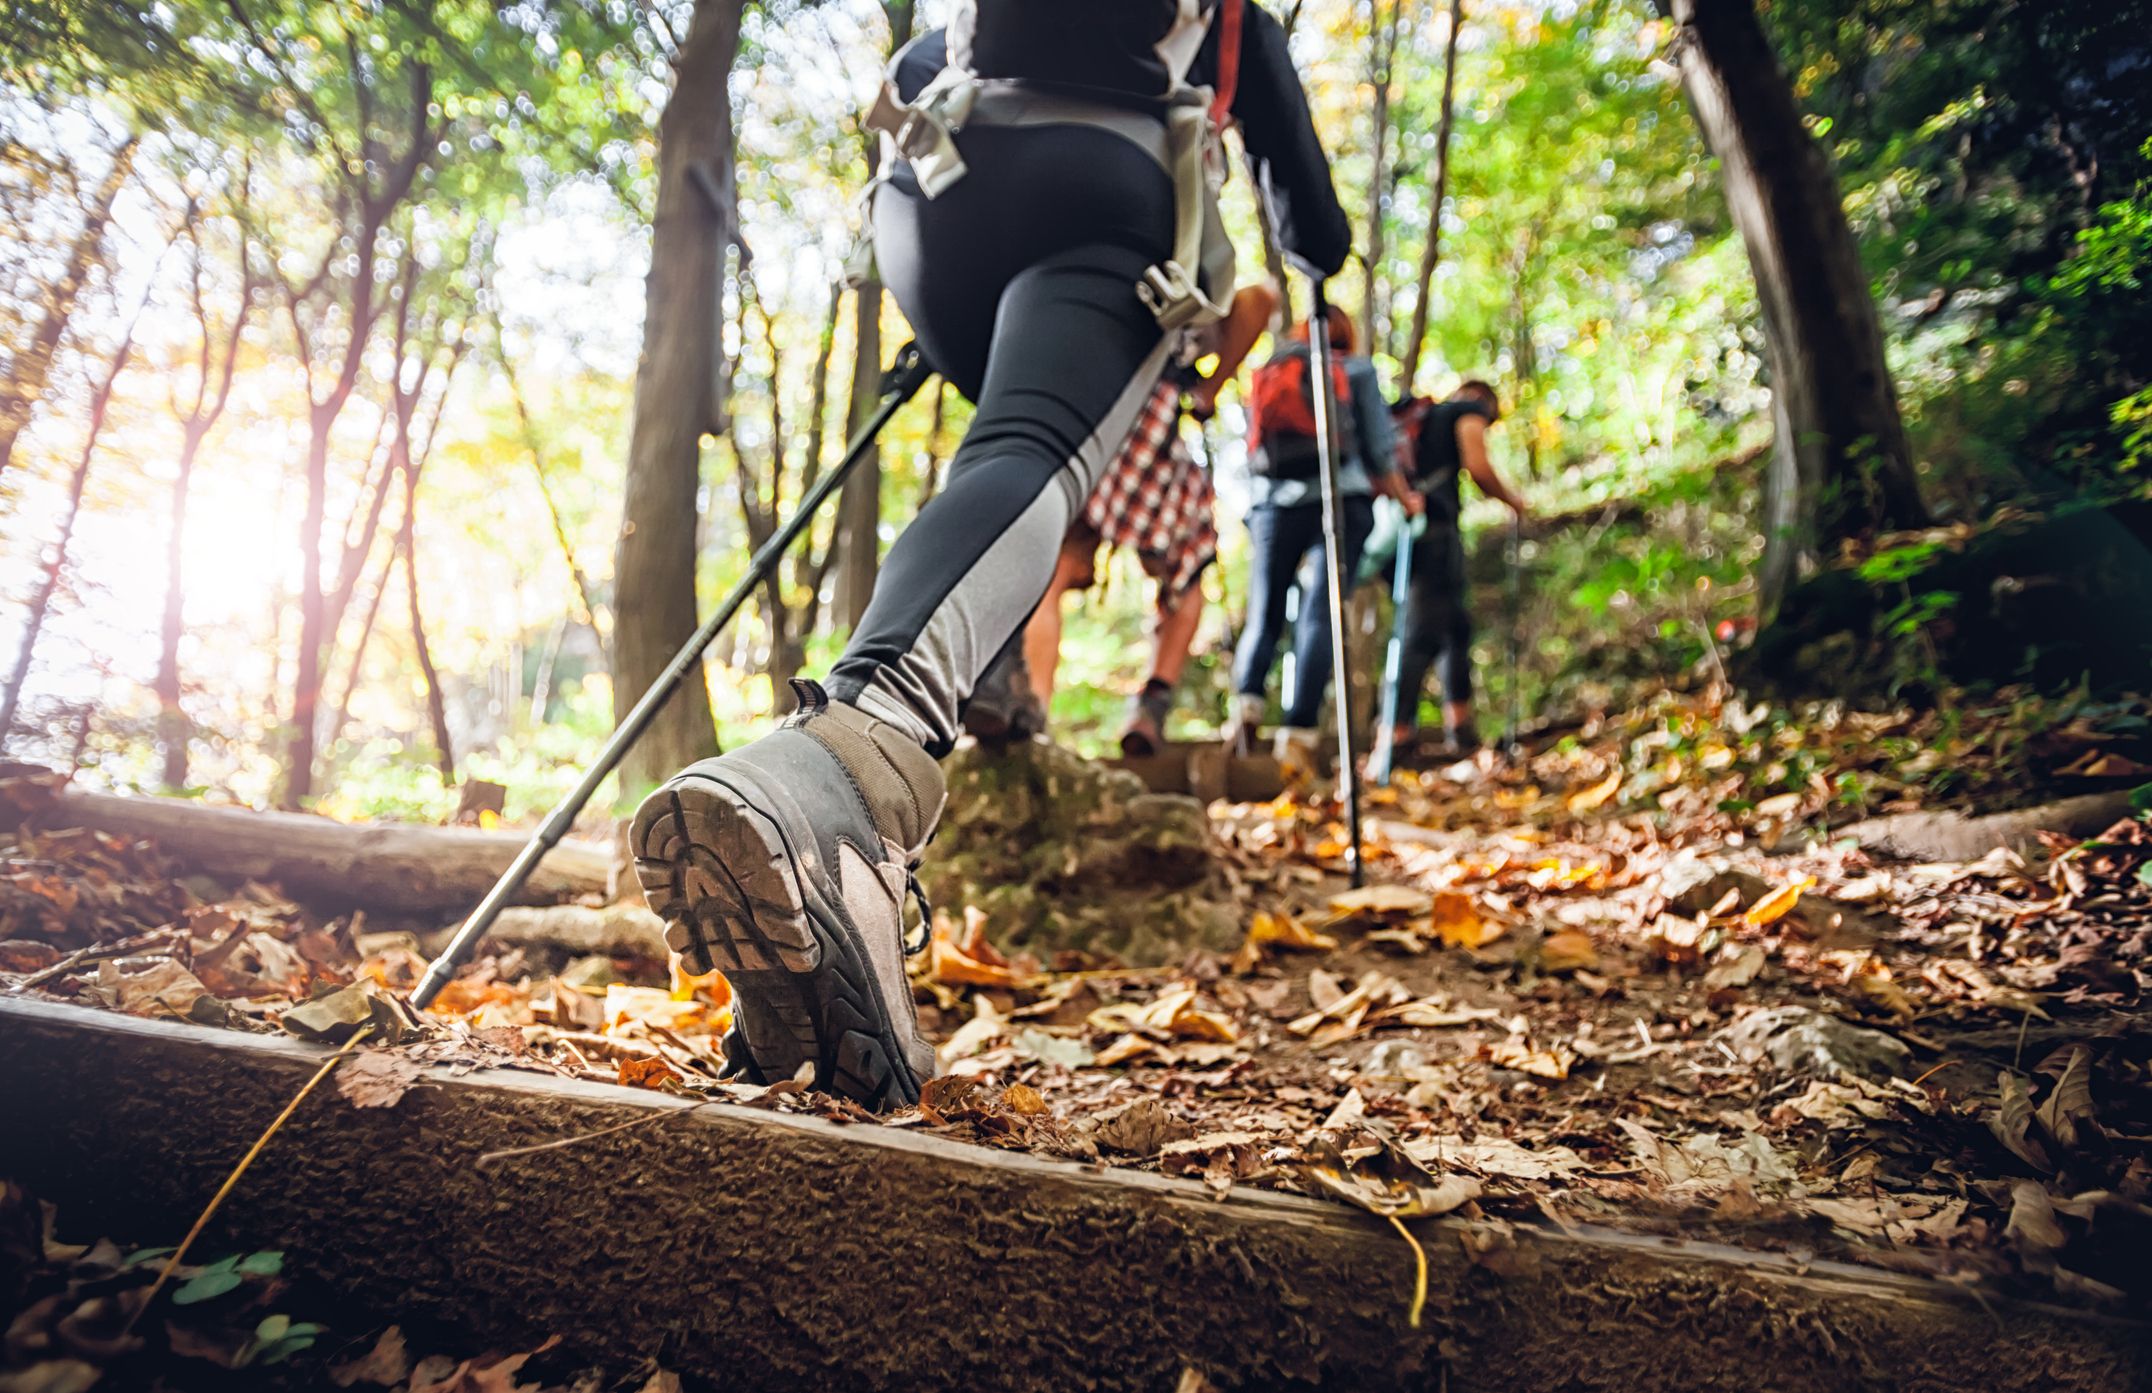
point(1176, 634)
point(1424, 624)
point(1042, 635)
point(1276, 539)
point(1311, 639)
point(1074, 355)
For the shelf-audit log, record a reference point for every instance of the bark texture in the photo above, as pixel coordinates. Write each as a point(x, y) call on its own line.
point(1842, 467)
point(761, 1251)
point(677, 402)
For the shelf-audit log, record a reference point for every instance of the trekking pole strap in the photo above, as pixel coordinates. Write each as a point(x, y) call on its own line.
point(899, 385)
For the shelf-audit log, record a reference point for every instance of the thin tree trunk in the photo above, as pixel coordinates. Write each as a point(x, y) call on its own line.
point(31, 368)
point(1431, 250)
point(542, 680)
point(1842, 467)
point(935, 444)
point(1382, 61)
point(860, 511)
point(676, 403)
point(810, 566)
point(436, 704)
point(49, 583)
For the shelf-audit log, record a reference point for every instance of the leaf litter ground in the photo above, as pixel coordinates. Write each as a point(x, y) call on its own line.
point(1629, 981)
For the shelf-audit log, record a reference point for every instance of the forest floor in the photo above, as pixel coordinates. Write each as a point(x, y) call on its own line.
point(1629, 980)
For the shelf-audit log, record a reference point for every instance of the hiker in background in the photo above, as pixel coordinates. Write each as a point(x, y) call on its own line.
point(1157, 502)
point(1285, 525)
point(1443, 440)
point(1035, 229)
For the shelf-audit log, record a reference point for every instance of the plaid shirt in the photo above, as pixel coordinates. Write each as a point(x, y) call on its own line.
point(1156, 501)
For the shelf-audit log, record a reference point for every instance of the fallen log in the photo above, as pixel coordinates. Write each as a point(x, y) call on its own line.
point(1957, 836)
point(398, 868)
point(766, 1251)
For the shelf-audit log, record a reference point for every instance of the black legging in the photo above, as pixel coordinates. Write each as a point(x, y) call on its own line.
point(1436, 623)
point(1020, 283)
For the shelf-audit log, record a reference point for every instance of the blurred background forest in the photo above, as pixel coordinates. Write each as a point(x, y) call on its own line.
point(322, 321)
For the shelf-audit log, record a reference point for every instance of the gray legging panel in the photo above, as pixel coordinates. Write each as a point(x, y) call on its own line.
point(1020, 283)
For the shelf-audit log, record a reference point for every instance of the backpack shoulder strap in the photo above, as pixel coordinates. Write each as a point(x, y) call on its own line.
point(1228, 84)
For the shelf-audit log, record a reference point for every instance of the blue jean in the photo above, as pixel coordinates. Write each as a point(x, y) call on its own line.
point(1279, 540)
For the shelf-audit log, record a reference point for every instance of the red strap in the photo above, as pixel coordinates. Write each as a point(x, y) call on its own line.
point(1228, 20)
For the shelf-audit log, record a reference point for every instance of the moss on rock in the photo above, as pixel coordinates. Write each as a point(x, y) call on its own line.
point(1062, 853)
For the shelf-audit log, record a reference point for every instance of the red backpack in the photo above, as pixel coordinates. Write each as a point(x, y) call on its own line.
point(1281, 414)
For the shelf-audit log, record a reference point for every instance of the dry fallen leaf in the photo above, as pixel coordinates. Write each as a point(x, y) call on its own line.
point(1023, 1100)
point(647, 1073)
point(386, 1364)
point(1776, 905)
point(1457, 921)
point(1568, 951)
point(1585, 800)
point(377, 1078)
point(1378, 900)
point(1284, 931)
point(1517, 1053)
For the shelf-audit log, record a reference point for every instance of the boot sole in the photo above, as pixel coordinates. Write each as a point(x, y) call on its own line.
point(721, 875)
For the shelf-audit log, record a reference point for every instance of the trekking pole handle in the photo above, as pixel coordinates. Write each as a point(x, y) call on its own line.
point(906, 375)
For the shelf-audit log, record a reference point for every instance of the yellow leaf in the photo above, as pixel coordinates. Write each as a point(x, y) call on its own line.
point(1776, 905)
point(1023, 1099)
point(1590, 798)
point(488, 819)
point(1284, 931)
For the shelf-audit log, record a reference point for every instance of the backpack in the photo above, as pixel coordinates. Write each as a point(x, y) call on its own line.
point(1098, 58)
point(1281, 414)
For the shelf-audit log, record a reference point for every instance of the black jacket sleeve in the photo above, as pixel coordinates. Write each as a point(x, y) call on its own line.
point(1292, 171)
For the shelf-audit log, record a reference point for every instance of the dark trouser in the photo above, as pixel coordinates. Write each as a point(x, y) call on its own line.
point(1436, 625)
point(1020, 283)
point(1279, 539)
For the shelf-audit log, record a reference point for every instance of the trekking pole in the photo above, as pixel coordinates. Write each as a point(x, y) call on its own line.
point(1327, 447)
point(1515, 744)
point(899, 385)
point(1393, 663)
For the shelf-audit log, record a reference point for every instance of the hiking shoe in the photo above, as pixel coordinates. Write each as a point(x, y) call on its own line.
point(1003, 709)
point(1298, 750)
point(787, 865)
point(1145, 733)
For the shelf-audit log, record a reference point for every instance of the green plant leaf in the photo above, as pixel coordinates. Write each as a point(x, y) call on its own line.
point(207, 1287)
point(135, 1259)
point(262, 1264)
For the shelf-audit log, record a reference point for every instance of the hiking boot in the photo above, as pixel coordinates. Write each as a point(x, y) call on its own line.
point(1003, 709)
point(787, 865)
point(1145, 733)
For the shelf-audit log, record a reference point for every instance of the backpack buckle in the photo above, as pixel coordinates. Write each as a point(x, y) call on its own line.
point(1170, 294)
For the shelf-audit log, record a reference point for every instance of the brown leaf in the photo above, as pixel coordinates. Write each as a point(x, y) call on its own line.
point(388, 1363)
point(162, 989)
point(377, 1078)
point(2012, 1123)
point(1140, 1128)
point(2066, 1115)
point(1023, 1099)
point(1517, 1053)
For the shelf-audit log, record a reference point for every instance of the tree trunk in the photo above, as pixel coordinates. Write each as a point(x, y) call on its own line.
point(1431, 251)
point(676, 403)
point(48, 585)
point(1842, 467)
point(357, 661)
point(436, 704)
point(29, 369)
point(860, 511)
point(1382, 59)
